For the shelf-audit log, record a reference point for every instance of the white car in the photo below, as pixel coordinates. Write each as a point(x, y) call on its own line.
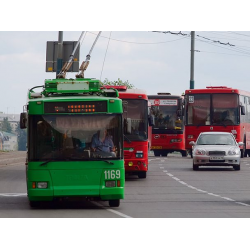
point(216, 149)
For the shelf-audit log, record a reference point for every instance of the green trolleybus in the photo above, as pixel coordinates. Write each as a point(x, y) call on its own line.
point(75, 142)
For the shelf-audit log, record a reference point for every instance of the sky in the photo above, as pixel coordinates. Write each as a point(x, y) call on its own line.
point(153, 61)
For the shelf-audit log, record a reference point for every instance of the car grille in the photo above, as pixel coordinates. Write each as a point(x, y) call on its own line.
point(217, 153)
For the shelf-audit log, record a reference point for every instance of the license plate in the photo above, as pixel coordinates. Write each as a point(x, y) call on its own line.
point(216, 158)
point(156, 147)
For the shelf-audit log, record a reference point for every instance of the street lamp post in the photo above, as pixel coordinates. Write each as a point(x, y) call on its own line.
point(192, 60)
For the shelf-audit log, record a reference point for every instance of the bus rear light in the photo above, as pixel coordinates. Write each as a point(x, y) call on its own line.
point(190, 136)
point(33, 185)
point(118, 183)
point(110, 184)
point(42, 185)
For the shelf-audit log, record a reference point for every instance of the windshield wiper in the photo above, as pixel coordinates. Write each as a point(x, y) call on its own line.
point(46, 162)
point(109, 162)
point(58, 159)
point(127, 139)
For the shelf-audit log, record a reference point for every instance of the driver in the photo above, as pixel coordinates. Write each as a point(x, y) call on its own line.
point(101, 141)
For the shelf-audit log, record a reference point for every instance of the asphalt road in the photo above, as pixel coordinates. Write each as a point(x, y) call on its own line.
point(171, 190)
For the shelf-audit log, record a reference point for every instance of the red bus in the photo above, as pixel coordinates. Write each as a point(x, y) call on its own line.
point(168, 129)
point(218, 108)
point(136, 129)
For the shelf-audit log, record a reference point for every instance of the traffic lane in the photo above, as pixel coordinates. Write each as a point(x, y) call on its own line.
point(14, 201)
point(224, 181)
point(159, 195)
point(18, 207)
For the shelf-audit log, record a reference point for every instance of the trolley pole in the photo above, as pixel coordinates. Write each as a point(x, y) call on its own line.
point(60, 53)
point(192, 60)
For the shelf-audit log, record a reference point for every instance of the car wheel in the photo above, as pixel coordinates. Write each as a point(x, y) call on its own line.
point(195, 167)
point(236, 167)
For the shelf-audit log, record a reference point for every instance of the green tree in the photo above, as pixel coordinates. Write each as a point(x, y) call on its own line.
point(119, 82)
point(5, 125)
point(21, 138)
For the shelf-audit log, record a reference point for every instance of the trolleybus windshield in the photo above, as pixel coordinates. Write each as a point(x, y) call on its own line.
point(74, 137)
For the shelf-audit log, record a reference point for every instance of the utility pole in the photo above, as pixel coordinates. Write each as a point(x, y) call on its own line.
point(192, 60)
point(60, 52)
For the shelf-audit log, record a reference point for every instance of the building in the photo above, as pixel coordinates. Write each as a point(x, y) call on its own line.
point(8, 141)
point(13, 119)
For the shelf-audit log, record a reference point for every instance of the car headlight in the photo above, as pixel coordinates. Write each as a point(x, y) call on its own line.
point(234, 151)
point(199, 151)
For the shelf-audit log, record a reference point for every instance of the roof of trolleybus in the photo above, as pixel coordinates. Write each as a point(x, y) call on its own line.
point(217, 89)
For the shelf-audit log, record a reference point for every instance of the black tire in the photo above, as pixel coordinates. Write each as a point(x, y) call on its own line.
point(164, 153)
point(236, 167)
point(114, 203)
point(184, 153)
point(34, 204)
point(195, 167)
point(142, 175)
point(157, 152)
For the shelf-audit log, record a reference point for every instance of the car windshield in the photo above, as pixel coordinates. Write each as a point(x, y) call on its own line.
point(216, 139)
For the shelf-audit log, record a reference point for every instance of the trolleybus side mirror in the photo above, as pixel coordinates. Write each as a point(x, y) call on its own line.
point(242, 110)
point(23, 120)
point(240, 143)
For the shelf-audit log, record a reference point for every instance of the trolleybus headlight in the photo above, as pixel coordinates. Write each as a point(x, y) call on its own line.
point(42, 184)
point(110, 184)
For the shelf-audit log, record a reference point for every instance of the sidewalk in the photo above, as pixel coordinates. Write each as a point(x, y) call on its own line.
point(12, 157)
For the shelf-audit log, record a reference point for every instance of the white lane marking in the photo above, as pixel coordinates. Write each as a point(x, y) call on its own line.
point(162, 160)
point(111, 210)
point(108, 209)
point(200, 190)
point(118, 213)
point(161, 167)
point(244, 204)
point(165, 171)
point(13, 194)
point(247, 164)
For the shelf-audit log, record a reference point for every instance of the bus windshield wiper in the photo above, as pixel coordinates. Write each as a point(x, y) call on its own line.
point(127, 139)
point(46, 162)
point(109, 162)
point(57, 159)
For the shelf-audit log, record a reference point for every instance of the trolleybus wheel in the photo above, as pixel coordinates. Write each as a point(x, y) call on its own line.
point(142, 175)
point(157, 153)
point(184, 153)
point(114, 203)
point(34, 204)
